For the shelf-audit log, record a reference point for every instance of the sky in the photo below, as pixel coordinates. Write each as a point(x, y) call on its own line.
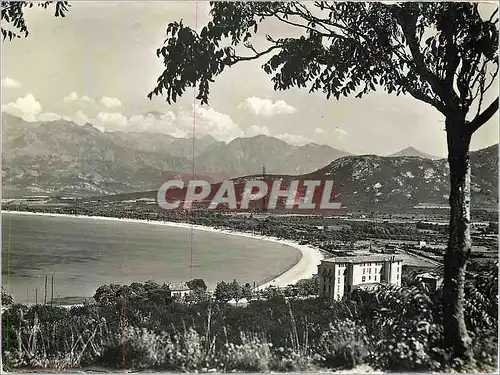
point(99, 62)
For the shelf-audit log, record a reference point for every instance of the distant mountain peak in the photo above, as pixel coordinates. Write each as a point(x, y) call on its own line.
point(207, 137)
point(413, 152)
point(156, 114)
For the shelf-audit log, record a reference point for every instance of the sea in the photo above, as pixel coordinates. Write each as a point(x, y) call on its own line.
point(81, 254)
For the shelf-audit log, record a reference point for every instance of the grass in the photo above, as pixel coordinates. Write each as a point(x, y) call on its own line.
point(392, 329)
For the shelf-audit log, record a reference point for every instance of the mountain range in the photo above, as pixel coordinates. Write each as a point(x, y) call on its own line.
point(402, 181)
point(378, 181)
point(412, 151)
point(63, 158)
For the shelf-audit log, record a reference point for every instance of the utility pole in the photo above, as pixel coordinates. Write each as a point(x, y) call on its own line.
point(52, 291)
point(264, 203)
point(45, 291)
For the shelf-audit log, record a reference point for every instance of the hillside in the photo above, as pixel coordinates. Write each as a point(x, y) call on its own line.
point(61, 157)
point(243, 156)
point(405, 181)
point(376, 181)
point(412, 151)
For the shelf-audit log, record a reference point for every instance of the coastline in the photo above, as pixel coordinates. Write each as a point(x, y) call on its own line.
point(303, 269)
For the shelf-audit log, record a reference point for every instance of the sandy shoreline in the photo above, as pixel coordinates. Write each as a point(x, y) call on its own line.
point(303, 269)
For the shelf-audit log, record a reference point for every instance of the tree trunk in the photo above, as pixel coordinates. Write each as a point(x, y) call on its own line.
point(456, 336)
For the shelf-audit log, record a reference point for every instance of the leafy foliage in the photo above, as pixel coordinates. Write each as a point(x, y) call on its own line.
point(7, 299)
point(308, 287)
point(224, 292)
point(343, 344)
point(13, 16)
point(390, 329)
point(443, 54)
point(197, 285)
point(404, 321)
point(149, 291)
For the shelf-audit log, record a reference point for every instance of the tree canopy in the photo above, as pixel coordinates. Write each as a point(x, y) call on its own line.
point(444, 54)
point(13, 22)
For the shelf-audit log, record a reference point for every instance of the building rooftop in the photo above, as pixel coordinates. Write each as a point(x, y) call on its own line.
point(427, 275)
point(363, 258)
point(178, 287)
point(368, 285)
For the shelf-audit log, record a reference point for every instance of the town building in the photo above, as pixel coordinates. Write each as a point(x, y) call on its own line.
point(339, 276)
point(179, 290)
point(431, 280)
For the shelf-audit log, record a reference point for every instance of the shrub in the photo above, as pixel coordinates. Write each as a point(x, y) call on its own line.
point(402, 328)
point(252, 355)
point(144, 349)
point(342, 345)
point(7, 299)
point(287, 360)
point(138, 326)
point(46, 337)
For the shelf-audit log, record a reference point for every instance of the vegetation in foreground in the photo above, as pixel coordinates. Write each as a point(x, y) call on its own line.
point(142, 327)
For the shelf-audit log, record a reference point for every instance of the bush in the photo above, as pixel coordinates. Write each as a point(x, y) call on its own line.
point(391, 328)
point(252, 355)
point(47, 337)
point(143, 349)
point(342, 345)
point(7, 299)
point(402, 329)
point(290, 360)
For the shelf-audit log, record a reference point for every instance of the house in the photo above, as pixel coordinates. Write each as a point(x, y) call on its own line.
point(432, 281)
point(179, 290)
point(339, 276)
point(422, 244)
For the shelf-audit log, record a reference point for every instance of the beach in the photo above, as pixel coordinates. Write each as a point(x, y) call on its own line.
point(303, 269)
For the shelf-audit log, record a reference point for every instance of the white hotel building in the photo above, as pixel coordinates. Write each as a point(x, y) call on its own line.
point(339, 276)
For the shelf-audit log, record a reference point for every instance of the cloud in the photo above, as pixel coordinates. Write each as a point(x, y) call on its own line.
point(153, 123)
point(266, 107)
point(81, 118)
point(110, 102)
point(30, 109)
point(339, 133)
point(27, 107)
point(294, 139)
point(74, 97)
point(254, 130)
point(179, 133)
point(209, 121)
point(49, 116)
point(111, 121)
point(87, 99)
point(319, 131)
point(10, 83)
point(206, 121)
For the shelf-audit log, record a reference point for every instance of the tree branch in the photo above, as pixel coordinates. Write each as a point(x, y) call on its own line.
point(426, 99)
point(255, 57)
point(452, 57)
point(409, 31)
point(322, 21)
point(310, 29)
point(493, 15)
point(481, 119)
